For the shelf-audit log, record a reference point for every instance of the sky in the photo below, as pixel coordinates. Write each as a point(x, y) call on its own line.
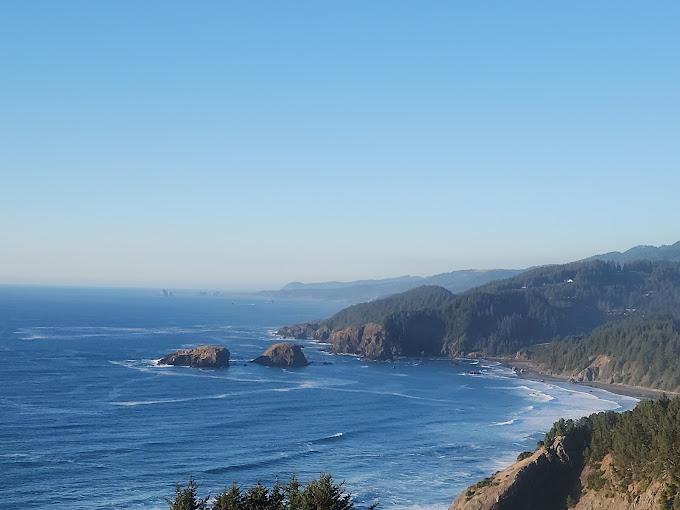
point(242, 145)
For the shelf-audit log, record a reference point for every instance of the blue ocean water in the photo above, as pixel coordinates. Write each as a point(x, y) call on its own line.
point(89, 421)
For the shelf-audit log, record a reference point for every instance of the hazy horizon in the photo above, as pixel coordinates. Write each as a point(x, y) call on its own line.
point(244, 146)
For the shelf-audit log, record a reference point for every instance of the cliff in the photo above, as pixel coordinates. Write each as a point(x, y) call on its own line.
point(542, 481)
point(606, 461)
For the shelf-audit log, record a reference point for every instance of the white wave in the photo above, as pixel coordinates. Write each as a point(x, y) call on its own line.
point(132, 403)
point(502, 423)
point(536, 394)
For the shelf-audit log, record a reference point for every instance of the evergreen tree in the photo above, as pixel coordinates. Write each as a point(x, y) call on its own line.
point(230, 499)
point(186, 498)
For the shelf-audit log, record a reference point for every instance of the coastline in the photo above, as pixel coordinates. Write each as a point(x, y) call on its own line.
point(534, 373)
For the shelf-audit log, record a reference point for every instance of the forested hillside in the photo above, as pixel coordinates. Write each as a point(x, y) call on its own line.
point(421, 298)
point(502, 317)
point(670, 252)
point(642, 352)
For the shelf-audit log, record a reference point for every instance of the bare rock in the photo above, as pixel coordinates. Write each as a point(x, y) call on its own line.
point(203, 356)
point(283, 355)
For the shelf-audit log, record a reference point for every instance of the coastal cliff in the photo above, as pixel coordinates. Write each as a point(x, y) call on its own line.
point(607, 461)
point(367, 340)
point(542, 481)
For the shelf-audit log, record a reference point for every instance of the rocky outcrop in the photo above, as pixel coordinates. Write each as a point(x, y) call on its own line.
point(305, 331)
point(368, 341)
point(602, 492)
point(542, 481)
point(283, 355)
point(600, 368)
point(555, 478)
point(203, 356)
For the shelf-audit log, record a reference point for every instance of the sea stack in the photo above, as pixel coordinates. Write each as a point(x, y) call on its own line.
point(203, 356)
point(283, 355)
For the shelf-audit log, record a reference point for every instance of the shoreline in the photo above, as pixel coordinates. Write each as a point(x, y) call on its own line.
point(533, 373)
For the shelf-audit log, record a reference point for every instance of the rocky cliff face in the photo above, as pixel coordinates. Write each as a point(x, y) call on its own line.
point(542, 481)
point(203, 356)
point(601, 492)
point(368, 340)
point(555, 478)
point(282, 355)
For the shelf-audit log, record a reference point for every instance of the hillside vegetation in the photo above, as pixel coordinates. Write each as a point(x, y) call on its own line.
point(540, 305)
point(641, 352)
point(610, 460)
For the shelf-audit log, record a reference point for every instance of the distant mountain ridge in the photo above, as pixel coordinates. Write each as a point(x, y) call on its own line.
point(668, 252)
point(368, 290)
point(359, 291)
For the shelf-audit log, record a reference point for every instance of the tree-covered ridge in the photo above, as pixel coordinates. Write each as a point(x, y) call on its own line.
point(427, 297)
point(665, 252)
point(540, 305)
point(320, 494)
point(641, 352)
point(644, 444)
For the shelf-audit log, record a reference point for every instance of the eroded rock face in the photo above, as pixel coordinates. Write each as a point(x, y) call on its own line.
point(283, 355)
point(601, 367)
point(203, 356)
point(542, 481)
point(368, 341)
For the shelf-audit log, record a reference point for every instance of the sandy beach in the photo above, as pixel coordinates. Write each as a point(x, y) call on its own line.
point(532, 372)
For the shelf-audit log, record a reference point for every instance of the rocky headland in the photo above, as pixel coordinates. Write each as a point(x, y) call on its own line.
point(203, 356)
point(543, 480)
point(605, 461)
point(366, 340)
point(282, 355)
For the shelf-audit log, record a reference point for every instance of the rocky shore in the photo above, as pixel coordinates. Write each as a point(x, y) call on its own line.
point(368, 340)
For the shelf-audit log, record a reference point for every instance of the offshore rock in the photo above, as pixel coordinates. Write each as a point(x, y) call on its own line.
point(203, 356)
point(283, 355)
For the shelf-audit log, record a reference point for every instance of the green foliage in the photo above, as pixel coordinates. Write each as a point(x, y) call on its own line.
point(539, 305)
point(427, 297)
point(644, 443)
point(645, 352)
point(670, 498)
point(186, 498)
point(323, 494)
point(230, 499)
point(320, 494)
point(489, 480)
point(595, 480)
point(524, 455)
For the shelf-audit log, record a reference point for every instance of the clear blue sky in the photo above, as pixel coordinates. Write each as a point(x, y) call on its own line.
point(246, 144)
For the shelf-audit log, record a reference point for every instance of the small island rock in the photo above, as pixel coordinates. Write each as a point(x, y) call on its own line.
point(282, 355)
point(203, 356)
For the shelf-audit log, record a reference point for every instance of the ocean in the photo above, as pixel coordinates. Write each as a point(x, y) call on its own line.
point(89, 421)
